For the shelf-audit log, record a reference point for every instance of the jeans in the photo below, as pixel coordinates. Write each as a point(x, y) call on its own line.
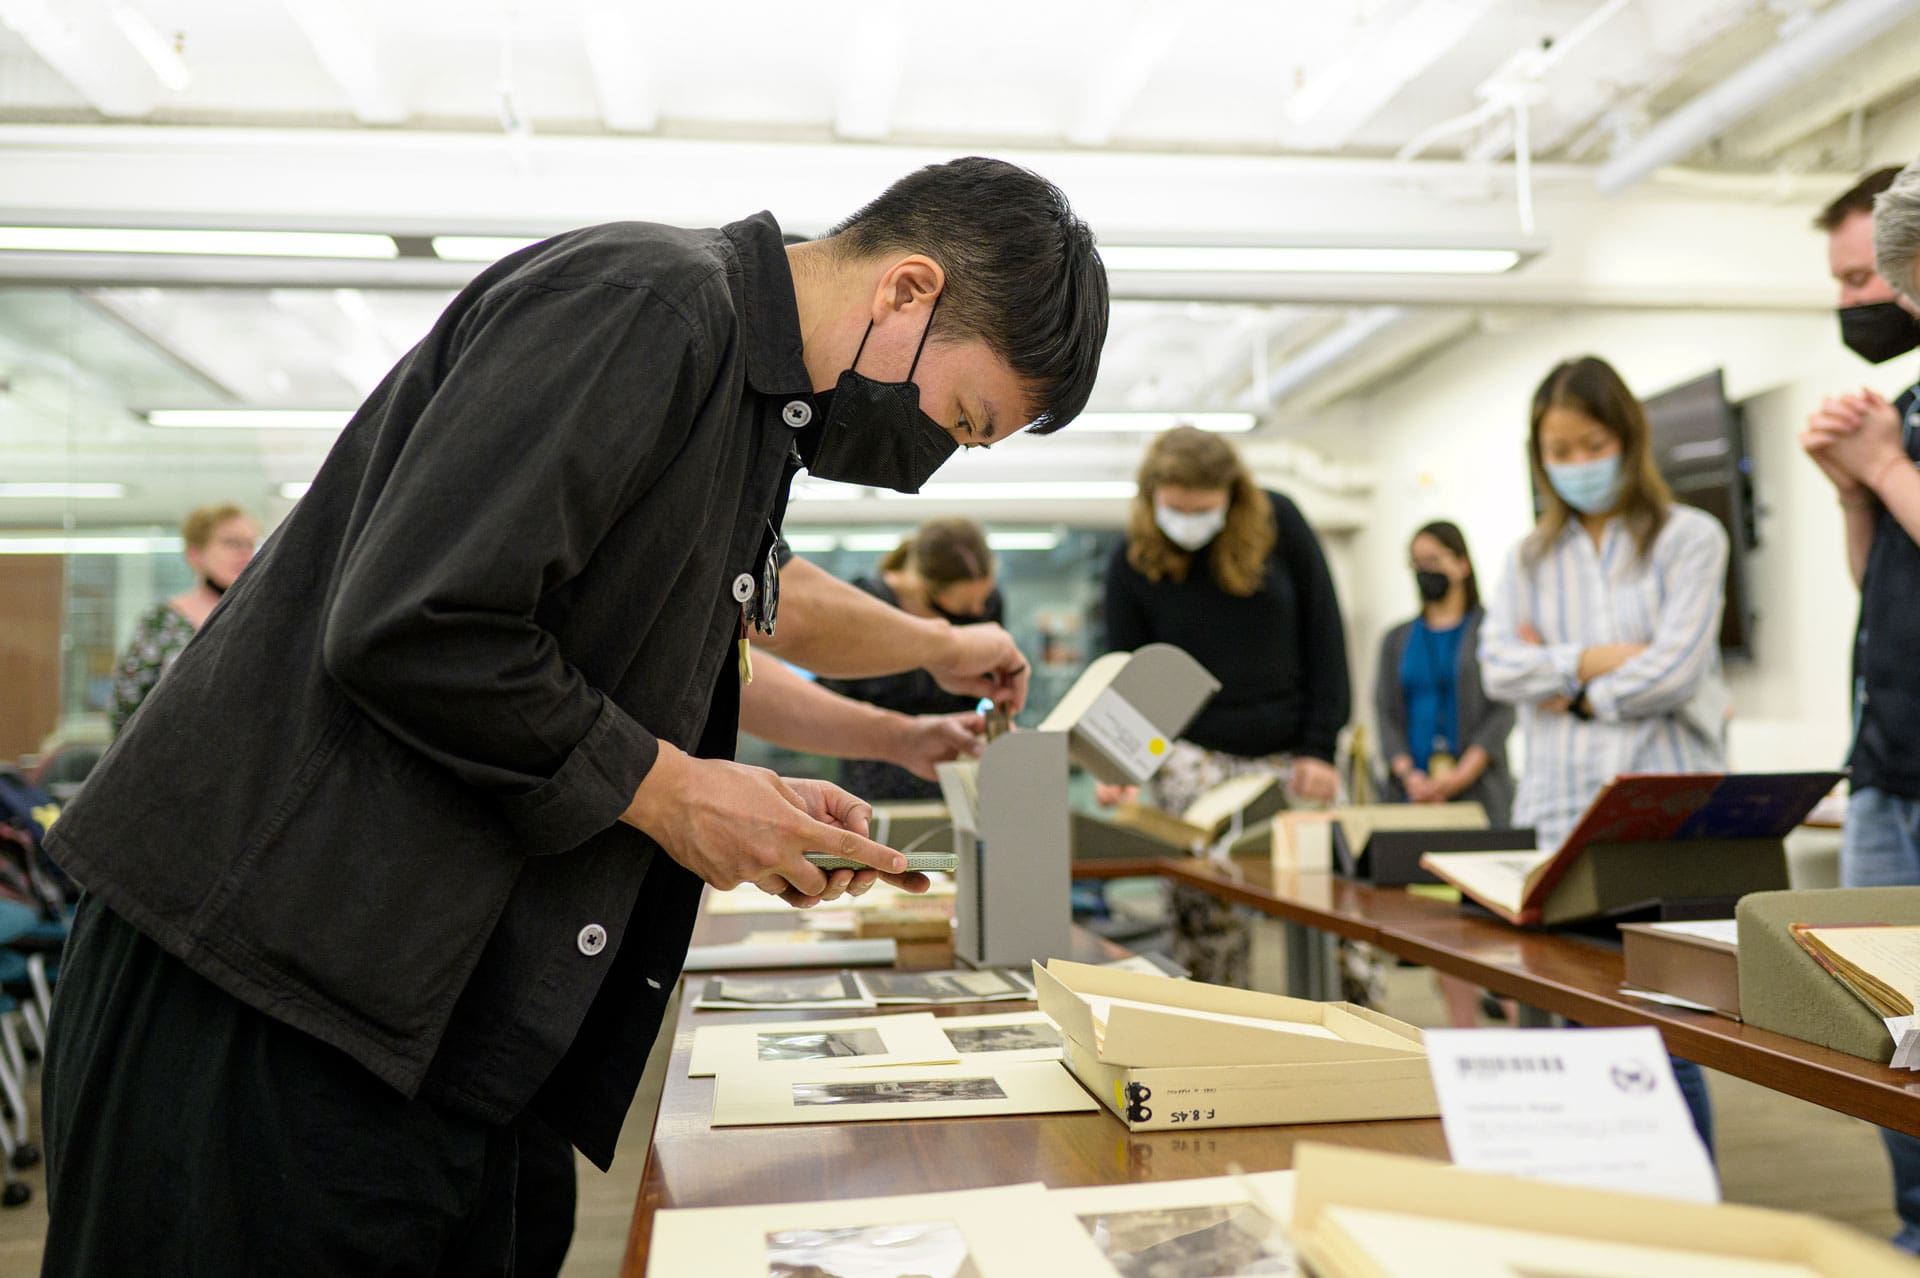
point(1881, 848)
point(1693, 1090)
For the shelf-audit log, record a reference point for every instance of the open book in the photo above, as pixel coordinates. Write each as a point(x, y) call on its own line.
point(1253, 797)
point(1692, 828)
point(1879, 962)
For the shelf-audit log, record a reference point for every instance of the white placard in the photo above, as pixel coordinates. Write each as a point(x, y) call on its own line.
point(1123, 734)
point(1592, 1107)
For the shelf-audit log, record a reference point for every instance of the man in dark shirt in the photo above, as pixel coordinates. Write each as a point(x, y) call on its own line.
point(1867, 447)
point(409, 842)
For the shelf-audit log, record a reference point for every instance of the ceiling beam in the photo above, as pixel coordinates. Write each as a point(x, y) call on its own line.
point(1133, 46)
point(78, 40)
point(345, 50)
point(869, 87)
point(623, 74)
point(1385, 55)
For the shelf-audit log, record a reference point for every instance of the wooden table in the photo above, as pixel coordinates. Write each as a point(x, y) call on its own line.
point(1567, 975)
point(691, 1164)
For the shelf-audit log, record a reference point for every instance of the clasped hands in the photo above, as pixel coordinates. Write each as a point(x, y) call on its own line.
point(1854, 439)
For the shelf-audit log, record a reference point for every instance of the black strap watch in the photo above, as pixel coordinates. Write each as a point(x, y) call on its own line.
point(1579, 707)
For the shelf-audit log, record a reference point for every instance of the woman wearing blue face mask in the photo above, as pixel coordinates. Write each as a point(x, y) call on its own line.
point(1605, 632)
point(1235, 576)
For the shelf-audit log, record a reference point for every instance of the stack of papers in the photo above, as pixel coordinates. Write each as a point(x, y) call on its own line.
point(1880, 963)
point(961, 985)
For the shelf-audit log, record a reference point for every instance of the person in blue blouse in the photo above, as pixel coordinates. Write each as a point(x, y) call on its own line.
point(1443, 739)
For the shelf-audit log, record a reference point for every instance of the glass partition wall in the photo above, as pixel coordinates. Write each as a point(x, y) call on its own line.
point(121, 409)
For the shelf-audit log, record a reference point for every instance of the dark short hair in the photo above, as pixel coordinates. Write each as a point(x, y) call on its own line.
point(1857, 199)
point(1022, 272)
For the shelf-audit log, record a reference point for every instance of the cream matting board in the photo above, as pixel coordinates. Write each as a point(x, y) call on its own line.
point(910, 1038)
point(813, 1093)
point(1007, 1036)
point(1215, 1225)
point(1010, 1232)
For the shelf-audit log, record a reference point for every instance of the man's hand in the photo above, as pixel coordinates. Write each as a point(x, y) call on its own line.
point(1314, 779)
point(1605, 658)
point(1825, 425)
point(1865, 451)
point(927, 739)
point(982, 661)
point(1112, 796)
point(731, 824)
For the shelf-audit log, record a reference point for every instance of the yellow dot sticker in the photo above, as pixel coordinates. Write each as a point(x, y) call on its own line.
point(1157, 747)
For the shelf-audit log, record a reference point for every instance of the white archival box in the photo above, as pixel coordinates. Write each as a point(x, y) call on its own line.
point(1009, 807)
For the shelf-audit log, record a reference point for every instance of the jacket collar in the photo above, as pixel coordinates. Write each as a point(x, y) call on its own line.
point(770, 312)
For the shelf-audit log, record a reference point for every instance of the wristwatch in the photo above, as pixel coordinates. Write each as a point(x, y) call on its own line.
point(1578, 707)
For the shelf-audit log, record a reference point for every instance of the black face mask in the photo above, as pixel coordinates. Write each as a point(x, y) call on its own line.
point(873, 433)
point(1878, 331)
point(214, 586)
point(1433, 585)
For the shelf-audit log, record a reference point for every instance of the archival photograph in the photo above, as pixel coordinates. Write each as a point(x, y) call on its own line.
point(819, 1046)
point(909, 1091)
point(1003, 1038)
point(924, 1249)
point(780, 989)
point(1228, 1240)
point(962, 986)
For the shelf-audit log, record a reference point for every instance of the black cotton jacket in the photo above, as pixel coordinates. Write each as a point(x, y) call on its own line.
point(377, 796)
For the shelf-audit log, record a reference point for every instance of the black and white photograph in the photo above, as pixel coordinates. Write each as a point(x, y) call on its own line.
point(959, 986)
point(1035, 1036)
point(910, 1091)
point(1228, 1240)
point(920, 1249)
point(823, 1046)
point(828, 989)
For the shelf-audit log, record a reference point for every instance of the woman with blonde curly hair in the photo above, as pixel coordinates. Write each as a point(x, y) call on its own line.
point(1232, 574)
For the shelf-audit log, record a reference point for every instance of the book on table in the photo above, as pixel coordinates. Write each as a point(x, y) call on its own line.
point(1645, 839)
point(1879, 962)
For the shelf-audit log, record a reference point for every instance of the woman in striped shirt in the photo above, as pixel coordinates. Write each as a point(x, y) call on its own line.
point(1605, 632)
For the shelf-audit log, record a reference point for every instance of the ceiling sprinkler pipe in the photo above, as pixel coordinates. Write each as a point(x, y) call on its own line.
point(1837, 32)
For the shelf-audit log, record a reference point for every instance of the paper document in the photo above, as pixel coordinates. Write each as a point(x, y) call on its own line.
point(1592, 1107)
point(1103, 1010)
point(1405, 1246)
point(1723, 931)
point(1879, 962)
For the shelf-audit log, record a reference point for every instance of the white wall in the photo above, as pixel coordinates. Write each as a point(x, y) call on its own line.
point(1448, 441)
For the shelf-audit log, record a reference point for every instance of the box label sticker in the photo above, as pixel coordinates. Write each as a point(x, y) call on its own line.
point(1124, 735)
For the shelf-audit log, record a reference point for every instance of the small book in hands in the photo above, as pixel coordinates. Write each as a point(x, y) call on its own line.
point(1644, 839)
point(921, 862)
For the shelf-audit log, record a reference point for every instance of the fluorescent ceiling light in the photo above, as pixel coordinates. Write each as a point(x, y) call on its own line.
point(123, 239)
point(1022, 540)
point(1154, 423)
point(870, 543)
point(43, 492)
point(55, 545)
point(296, 490)
point(250, 418)
point(1040, 490)
point(812, 543)
point(1210, 258)
point(478, 248)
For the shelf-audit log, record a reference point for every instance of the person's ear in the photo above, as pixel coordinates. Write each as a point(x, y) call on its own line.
point(915, 278)
point(197, 560)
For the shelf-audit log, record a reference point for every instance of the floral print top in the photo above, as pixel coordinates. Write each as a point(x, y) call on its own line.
point(157, 640)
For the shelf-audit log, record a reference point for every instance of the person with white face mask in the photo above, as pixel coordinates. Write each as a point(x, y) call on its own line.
point(1233, 575)
point(1605, 631)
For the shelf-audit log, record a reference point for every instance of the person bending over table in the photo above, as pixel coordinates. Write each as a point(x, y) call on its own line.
point(1605, 631)
point(409, 841)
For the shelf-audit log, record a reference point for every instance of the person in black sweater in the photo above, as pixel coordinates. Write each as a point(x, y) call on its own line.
point(1233, 575)
point(944, 570)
